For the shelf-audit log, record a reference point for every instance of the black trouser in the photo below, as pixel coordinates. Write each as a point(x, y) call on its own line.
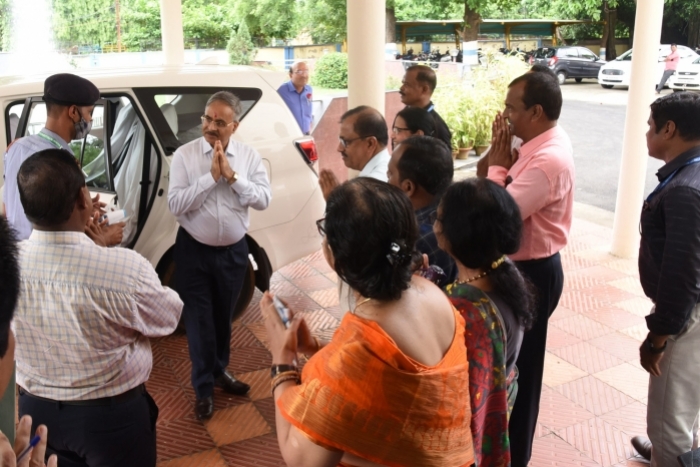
point(209, 281)
point(112, 434)
point(547, 276)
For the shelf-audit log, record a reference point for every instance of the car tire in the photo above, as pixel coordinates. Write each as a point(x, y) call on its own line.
point(607, 86)
point(578, 80)
point(561, 77)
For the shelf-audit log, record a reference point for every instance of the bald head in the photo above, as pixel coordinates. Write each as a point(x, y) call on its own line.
point(299, 75)
point(367, 121)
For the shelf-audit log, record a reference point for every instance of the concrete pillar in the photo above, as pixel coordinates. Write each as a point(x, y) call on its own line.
point(171, 31)
point(366, 34)
point(630, 189)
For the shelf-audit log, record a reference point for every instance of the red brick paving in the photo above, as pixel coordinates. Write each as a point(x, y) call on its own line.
point(592, 404)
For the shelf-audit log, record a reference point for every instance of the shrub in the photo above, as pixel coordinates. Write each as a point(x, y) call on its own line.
point(331, 71)
point(240, 48)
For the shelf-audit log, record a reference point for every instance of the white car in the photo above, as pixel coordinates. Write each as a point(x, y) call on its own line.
point(144, 115)
point(687, 77)
point(617, 72)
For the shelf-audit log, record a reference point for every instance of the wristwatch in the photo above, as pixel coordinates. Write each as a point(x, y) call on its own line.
point(234, 179)
point(655, 350)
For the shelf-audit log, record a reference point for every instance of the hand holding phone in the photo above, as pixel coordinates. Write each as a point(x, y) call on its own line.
point(282, 311)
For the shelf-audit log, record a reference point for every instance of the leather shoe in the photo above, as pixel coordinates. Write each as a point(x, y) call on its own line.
point(204, 408)
point(643, 446)
point(231, 385)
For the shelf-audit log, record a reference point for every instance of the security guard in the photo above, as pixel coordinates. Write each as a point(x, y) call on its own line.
point(70, 101)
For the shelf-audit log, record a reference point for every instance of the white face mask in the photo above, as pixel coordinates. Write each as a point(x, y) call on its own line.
point(82, 128)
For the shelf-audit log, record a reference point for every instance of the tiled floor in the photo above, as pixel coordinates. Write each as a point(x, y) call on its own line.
point(593, 402)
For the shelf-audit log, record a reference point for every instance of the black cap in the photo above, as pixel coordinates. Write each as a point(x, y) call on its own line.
point(68, 89)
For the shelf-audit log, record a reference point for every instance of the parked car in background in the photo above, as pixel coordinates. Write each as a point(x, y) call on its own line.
point(687, 77)
point(143, 116)
point(569, 62)
point(617, 72)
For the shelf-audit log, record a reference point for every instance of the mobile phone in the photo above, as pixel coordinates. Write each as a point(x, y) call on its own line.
point(282, 310)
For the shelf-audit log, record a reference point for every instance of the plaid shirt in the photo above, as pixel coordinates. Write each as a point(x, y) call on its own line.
point(84, 317)
point(427, 244)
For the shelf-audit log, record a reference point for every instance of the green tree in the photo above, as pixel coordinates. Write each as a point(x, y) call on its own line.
point(207, 23)
point(269, 19)
point(240, 48)
point(5, 24)
point(141, 25)
point(325, 20)
point(84, 23)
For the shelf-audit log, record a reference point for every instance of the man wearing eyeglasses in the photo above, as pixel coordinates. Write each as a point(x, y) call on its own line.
point(363, 146)
point(297, 94)
point(213, 181)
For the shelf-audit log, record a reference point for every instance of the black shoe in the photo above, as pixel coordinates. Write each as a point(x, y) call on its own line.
point(643, 446)
point(204, 408)
point(231, 385)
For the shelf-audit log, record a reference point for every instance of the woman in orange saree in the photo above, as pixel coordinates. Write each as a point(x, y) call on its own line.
point(391, 387)
point(478, 223)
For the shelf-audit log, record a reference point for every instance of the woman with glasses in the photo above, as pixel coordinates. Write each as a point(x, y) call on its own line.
point(411, 121)
point(391, 387)
point(478, 223)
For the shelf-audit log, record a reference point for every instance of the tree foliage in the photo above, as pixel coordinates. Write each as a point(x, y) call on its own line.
point(331, 71)
point(240, 48)
point(269, 19)
point(5, 25)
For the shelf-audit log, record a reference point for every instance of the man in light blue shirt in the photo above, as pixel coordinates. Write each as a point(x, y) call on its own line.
point(297, 95)
point(70, 100)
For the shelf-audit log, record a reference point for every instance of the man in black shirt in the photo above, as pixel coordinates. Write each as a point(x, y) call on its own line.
point(417, 88)
point(669, 271)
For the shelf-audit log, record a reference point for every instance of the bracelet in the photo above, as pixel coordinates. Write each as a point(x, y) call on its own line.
point(278, 381)
point(284, 375)
point(655, 350)
point(278, 369)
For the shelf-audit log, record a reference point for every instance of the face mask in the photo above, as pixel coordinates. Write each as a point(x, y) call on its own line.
point(82, 128)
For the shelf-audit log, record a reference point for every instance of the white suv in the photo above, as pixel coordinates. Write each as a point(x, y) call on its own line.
point(144, 115)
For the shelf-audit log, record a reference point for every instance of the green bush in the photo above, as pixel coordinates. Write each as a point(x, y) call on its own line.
point(331, 71)
point(240, 47)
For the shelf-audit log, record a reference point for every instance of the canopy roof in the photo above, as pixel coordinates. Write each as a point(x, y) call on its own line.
point(531, 27)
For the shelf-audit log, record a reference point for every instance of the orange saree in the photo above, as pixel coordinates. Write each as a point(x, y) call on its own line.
point(360, 394)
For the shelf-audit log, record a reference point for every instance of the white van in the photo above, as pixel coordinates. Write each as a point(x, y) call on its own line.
point(144, 115)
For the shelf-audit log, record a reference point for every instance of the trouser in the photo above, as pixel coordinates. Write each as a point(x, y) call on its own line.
point(674, 397)
point(209, 281)
point(667, 74)
point(547, 276)
point(111, 434)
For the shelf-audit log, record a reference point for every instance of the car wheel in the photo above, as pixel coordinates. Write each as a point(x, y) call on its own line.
point(578, 80)
point(607, 86)
point(561, 77)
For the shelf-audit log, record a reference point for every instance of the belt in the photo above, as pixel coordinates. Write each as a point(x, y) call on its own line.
point(224, 247)
point(102, 401)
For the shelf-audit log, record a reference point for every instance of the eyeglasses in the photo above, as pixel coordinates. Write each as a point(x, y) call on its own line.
point(434, 217)
point(207, 120)
point(396, 130)
point(347, 142)
point(301, 72)
point(321, 226)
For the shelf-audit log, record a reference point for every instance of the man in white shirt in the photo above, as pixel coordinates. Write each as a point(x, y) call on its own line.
point(83, 323)
point(363, 146)
point(213, 181)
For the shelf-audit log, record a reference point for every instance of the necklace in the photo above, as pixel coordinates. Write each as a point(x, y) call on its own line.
point(471, 279)
point(362, 302)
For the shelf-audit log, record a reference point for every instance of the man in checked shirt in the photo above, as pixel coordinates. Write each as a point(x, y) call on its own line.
point(82, 323)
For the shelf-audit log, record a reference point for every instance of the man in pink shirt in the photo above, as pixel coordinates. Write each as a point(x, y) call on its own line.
point(540, 177)
point(670, 68)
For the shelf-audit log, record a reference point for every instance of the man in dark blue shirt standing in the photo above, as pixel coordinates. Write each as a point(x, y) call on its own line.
point(297, 95)
point(669, 271)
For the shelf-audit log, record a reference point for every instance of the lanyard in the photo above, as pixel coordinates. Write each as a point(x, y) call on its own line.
point(430, 108)
point(50, 139)
point(666, 180)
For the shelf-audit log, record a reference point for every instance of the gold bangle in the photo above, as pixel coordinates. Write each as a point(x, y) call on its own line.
point(285, 373)
point(281, 381)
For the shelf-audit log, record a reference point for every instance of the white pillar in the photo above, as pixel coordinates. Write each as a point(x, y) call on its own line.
point(366, 74)
point(171, 30)
point(630, 190)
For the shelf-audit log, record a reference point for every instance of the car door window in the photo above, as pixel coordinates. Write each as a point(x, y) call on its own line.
point(176, 112)
point(586, 54)
point(569, 52)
